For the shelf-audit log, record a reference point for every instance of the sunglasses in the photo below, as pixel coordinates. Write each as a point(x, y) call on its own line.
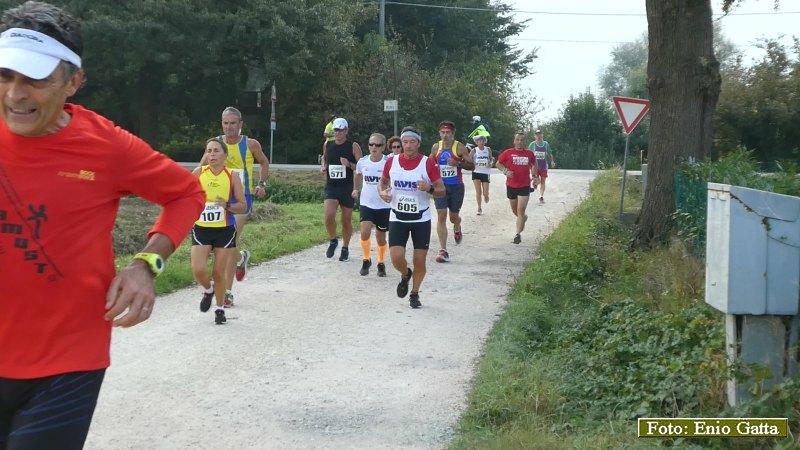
point(374, 144)
point(397, 146)
point(339, 129)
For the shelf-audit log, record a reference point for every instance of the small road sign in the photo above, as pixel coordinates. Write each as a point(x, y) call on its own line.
point(631, 111)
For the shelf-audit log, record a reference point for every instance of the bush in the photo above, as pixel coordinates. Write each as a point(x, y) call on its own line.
point(738, 168)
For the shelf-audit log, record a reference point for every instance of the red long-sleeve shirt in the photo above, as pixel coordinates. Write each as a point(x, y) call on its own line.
point(59, 196)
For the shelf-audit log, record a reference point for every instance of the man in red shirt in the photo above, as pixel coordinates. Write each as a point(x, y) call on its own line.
point(63, 170)
point(519, 166)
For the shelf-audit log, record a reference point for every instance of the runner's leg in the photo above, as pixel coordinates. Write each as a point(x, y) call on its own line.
point(522, 205)
point(330, 217)
point(419, 268)
point(199, 261)
point(478, 192)
point(347, 226)
point(230, 275)
point(441, 227)
point(222, 260)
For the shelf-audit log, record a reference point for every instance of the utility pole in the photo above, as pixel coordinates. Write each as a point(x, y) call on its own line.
point(382, 18)
point(272, 122)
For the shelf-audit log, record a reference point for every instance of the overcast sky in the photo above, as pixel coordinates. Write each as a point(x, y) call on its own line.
point(565, 68)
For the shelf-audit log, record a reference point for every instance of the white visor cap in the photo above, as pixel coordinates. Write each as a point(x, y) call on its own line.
point(33, 54)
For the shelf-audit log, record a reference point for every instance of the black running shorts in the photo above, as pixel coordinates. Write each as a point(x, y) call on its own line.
point(223, 237)
point(453, 199)
point(49, 412)
point(482, 177)
point(513, 193)
point(380, 217)
point(341, 193)
point(420, 233)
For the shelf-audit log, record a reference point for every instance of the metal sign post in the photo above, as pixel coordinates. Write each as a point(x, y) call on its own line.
point(391, 105)
point(272, 122)
point(624, 174)
point(631, 111)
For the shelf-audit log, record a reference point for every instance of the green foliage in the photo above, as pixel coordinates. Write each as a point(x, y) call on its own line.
point(165, 69)
point(587, 135)
point(759, 106)
point(738, 168)
point(596, 334)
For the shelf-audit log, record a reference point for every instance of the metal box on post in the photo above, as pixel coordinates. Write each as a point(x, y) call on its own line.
point(752, 251)
point(753, 276)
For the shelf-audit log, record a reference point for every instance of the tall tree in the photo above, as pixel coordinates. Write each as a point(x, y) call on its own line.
point(684, 83)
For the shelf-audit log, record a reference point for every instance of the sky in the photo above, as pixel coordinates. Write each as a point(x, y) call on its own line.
point(570, 68)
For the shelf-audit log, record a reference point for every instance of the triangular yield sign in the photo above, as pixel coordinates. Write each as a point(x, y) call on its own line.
point(631, 111)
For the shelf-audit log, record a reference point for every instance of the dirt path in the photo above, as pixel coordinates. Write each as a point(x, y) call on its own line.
point(316, 356)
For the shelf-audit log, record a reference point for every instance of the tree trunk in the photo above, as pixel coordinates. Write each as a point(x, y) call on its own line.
point(684, 83)
point(146, 112)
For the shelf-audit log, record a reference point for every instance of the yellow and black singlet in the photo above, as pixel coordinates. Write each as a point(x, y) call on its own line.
point(219, 185)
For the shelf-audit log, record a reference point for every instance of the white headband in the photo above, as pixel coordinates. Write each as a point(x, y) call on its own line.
point(32, 53)
point(411, 134)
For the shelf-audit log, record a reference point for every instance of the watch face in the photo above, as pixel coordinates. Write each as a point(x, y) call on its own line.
point(159, 264)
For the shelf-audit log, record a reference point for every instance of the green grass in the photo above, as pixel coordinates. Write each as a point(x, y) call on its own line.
point(275, 230)
point(596, 334)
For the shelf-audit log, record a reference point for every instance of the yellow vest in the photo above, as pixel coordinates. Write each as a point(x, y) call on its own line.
point(219, 185)
point(241, 160)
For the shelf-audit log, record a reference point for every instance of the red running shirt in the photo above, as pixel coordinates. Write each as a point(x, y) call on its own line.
point(519, 162)
point(59, 196)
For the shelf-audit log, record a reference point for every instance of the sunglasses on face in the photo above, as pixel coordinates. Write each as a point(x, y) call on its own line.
point(375, 144)
point(339, 130)
point(397, 146)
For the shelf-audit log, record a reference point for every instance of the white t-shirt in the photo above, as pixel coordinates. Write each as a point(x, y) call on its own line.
point(483, 159)
point(371, 172)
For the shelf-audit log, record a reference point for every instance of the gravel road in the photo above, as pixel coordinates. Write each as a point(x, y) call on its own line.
point(316, 356)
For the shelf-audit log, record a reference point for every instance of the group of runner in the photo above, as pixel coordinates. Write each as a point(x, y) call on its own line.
point(394, 186)
point(64, 293)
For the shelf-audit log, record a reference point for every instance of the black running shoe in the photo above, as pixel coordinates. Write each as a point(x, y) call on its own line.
point(517, 239)
point(365, 265)
point(205, 303)
point(345, 255)
point(402, 287)
point(413, 300)
point(332, 248)
point(381, 269)
point(219, 317)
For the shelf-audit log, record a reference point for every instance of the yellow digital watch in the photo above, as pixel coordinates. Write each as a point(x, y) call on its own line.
point(154, 261)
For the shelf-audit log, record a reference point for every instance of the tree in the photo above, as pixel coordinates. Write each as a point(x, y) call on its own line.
point(683, 81)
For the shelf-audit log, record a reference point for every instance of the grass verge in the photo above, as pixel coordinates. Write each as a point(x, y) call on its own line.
point(275, 230)
point(595, 335)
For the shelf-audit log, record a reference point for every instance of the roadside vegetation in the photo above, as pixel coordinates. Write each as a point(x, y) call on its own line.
point(276, 229)
point(596, 334)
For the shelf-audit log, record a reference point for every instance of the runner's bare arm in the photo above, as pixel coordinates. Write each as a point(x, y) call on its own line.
point(438, 188)
point(240, 205)
point(133, 287)
point(359, 181)
point(383, 189)
point(323, 166)
point(258, 154)
point(501, 168)
point(434, 149)
point(356, 152)
point(467, 162)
